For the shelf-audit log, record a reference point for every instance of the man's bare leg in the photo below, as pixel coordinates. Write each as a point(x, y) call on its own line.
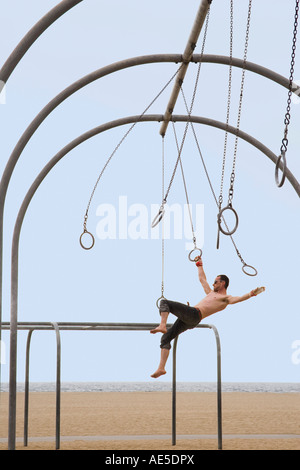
point(161, 368)
point(162, 327)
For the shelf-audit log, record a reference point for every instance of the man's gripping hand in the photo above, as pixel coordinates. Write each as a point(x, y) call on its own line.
point(198, 261)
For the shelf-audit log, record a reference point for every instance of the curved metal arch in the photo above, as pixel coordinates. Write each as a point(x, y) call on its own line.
point(6, 71)
point(107, 70)
point(33, 34)
point(87, 79)
point(19, 221)
point(29, 196)
point(153, 118)
point(70, 90)
point(250, 66)
point(148, 118)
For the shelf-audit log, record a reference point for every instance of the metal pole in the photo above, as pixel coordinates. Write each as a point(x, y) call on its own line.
point(5, 72)
point(58, 383)
point(31, 326)
point(33, 34)
point(186, 58)
point(219, 386)
point(26, 397)
point(13, 353)
point(174, 393)
point(156, 117)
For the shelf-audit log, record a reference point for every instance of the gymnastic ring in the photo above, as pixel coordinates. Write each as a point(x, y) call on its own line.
point(281, 156)
point(158, 216)
point(160, 298)
point(230, 232)
point(200, 251)
point(93, 240)
point(244, 268)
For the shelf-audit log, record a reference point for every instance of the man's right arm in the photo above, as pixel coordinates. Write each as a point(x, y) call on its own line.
point(202, 276)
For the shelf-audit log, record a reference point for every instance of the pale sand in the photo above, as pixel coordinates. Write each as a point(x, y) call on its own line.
point(149, 414)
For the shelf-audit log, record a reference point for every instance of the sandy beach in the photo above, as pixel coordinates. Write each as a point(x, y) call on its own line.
point(142, 420)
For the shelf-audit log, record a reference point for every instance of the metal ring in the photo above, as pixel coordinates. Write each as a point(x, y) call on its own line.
point(251, 267)
point(230, 232)
point(281, 156)
point(195, 256)
point(158, 217)
point(93, 240)
point(160, 298)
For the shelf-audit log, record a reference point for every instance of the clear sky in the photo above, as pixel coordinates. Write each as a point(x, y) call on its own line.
point(119, 280)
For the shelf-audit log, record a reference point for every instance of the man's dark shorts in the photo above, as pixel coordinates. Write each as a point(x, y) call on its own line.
point(187, 318)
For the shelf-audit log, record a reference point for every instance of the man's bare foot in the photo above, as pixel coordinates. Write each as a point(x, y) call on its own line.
point(159, 329)
point(158, 373)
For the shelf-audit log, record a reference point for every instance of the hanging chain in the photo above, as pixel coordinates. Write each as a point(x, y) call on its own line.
point(287, 118)
point(232, 176)
point(245, 267)
point(228, 105)
point(162, 229)
point(281, 160)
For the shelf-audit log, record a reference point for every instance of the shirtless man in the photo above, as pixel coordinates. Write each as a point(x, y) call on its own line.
point(189, 317)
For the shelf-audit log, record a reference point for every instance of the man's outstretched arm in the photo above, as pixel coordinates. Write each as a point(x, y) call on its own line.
point(236, 299)
point(202, 276)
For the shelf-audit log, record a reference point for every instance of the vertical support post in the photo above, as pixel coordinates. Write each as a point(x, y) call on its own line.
point(6, 70)
point(12, 405)
point(58, 386)
point(174, 393)
point(219, 386)
point(26, 398)
point(58, 383)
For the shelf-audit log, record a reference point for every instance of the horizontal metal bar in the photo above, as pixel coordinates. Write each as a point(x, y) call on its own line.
point(89, 326)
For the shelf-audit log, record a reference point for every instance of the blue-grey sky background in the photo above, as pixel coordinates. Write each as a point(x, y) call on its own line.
point(120, 279)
